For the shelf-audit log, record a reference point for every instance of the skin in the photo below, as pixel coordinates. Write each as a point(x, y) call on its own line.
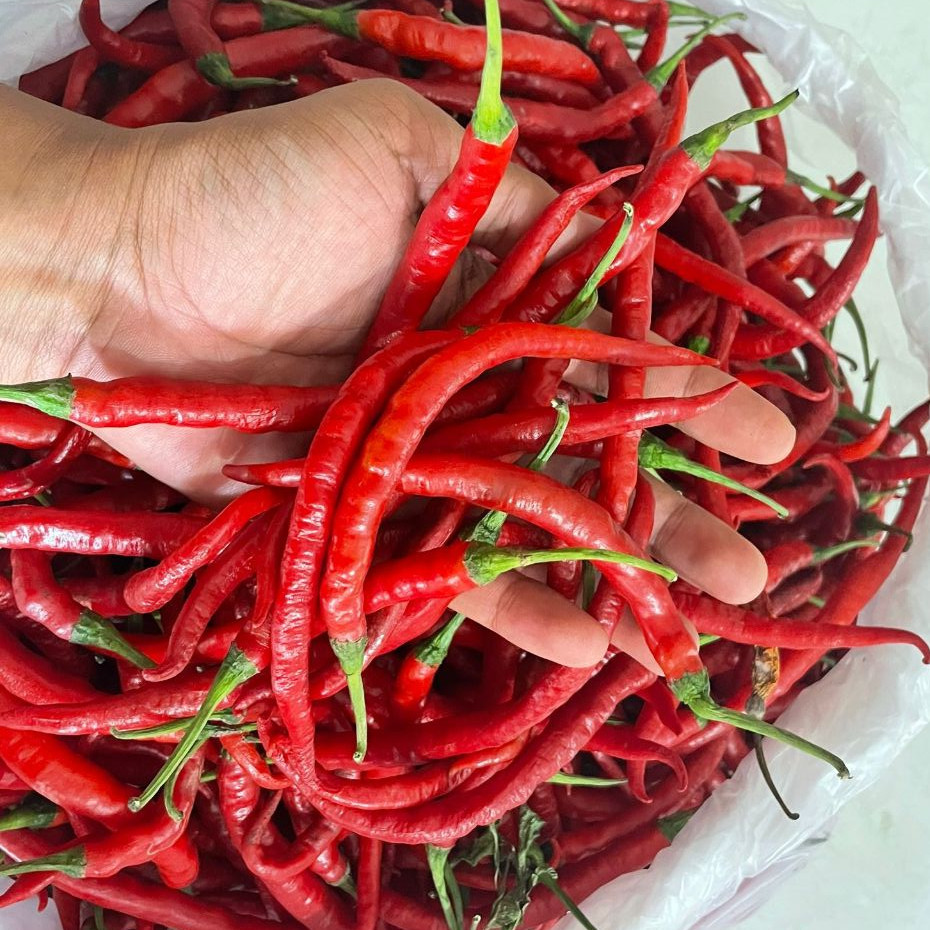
point(256, 248)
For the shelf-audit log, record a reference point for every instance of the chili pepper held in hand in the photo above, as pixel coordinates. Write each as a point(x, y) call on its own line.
point(449, 219)
point(394, 439)
point(451, 570)
point(40, 597)
point(249, 408)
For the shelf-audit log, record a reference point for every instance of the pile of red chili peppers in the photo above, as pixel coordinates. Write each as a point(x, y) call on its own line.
point(329, 747)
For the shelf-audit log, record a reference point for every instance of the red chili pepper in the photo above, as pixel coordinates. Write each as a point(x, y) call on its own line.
point(33, 479)
point(567, 731)
point(48, 83)
point(40, 597)
point(766, 341)
point(154, 587)
point(906, 430)
point(892, 471)
point(463, 47)
point(537, 120)
point(395, 438)
point(766, 377)
point(178, 90)
point(526, 257)
point(130, 401)
point(741, 626)
point(113, 47)
point(135, 896)
point(778, 234)
point(83, 66)
point(527, 431)
point(790, 557)
point(36, 680)
point(669, 180)
point(449, 219)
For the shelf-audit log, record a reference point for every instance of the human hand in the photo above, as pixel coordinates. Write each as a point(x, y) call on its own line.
point(255, 248)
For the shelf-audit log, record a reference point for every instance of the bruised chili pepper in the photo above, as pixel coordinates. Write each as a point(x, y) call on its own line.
point(40, 597)
point(449, 219)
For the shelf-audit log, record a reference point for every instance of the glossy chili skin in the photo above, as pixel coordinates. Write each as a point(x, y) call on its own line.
point(176, 91)
point(152, 588)
point(527, 431)
point(407, 417)
point(248, 408)
point(25, 482)
point(428, 39)
point(335, 444)
point(536, 119)
point(120, 49)
point(443, 821)
point(443, 230)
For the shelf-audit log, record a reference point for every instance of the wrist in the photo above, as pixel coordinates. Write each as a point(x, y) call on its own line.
point(65, 183)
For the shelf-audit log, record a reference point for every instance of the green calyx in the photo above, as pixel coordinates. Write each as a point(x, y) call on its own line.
point(447, 888)
point(235, 670)
point(699, 344)
point(662, 73)
point(831, 552)
point(659, 455)
point(585, 300)
point(869, 523)
point(54, 397)
point(694, 690)
point(484, 563)
point(492, 122)
point(792, 177)
point(584, 781)
point(71, 862)
point(672, 825)
point(34, 813)
point(351, 656)
point(339, 19)
point(99, 633)
point(215, 67)
point(701, 146)
point(434, 650)
point(582, 34)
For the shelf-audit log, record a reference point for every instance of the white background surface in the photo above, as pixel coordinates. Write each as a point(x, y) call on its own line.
point(874, 871)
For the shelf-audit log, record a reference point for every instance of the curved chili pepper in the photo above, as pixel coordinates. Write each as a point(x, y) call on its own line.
point(394, 440)
point(790, 557)
point(130, 53)
point(40, 597)
point(449, 219)
point(451, 570)
point(488, 303)
point(741, 626)
point(178, 90)
point(83, 67)
point(669, 180)
point(35, 679)
point(766, 377)
point(30, 480)
point(152, 588)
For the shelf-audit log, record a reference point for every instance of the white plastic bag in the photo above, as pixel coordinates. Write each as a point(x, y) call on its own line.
point(868, 708)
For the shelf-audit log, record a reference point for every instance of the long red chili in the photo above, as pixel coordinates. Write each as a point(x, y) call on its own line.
point(249, 408)
point(40, 597)
point(449, 219)
point(130, 53)
point(30, 480)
